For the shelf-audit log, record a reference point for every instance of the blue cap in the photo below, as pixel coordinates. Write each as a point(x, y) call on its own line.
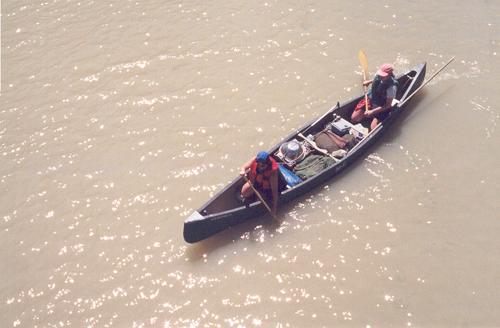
point(262, 156)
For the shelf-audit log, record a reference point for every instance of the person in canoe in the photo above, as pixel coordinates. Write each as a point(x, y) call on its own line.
point(382, 92)
point(263, 173)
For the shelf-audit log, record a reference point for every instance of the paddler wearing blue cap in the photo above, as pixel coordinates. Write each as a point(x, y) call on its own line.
point(262, 172)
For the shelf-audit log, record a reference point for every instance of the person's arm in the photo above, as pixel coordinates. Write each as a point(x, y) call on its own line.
point(391, 93)
point(246, 167)
point(367, 83)
point(380, 109)
point(274, 190)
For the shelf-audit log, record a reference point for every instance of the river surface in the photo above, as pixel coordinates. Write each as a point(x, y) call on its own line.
point(119, 118)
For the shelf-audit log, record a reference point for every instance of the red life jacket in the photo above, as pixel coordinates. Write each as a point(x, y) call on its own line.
point(262, 180)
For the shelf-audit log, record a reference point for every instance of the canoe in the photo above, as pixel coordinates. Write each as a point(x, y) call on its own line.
point(224, 209)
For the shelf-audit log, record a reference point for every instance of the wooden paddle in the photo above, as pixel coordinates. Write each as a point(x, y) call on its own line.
point(364, 64)
point(260, 197)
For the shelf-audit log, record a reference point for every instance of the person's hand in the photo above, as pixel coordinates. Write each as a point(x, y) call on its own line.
point(243, 172)
point(366, 83)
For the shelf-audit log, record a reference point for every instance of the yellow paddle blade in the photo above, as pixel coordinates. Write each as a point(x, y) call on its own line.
point(363, 61)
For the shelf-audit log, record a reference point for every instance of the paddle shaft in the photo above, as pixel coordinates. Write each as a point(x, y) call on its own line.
point(423, 84)
point(313, 144)
point(366, 93)
point(260, 197)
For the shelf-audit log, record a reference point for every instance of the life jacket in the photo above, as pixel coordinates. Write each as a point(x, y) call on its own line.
point(262, 180)
point(378, 91)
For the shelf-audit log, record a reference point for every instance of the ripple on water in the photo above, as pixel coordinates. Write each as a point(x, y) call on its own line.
point(481, 105)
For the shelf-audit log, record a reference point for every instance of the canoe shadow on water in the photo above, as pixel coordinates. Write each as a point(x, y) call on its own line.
point(258, 230)
point(252, 229)
point(413, 108)
point(249, 231)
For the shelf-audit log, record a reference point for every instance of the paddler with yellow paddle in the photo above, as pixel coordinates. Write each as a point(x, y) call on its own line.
point(377, 102)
